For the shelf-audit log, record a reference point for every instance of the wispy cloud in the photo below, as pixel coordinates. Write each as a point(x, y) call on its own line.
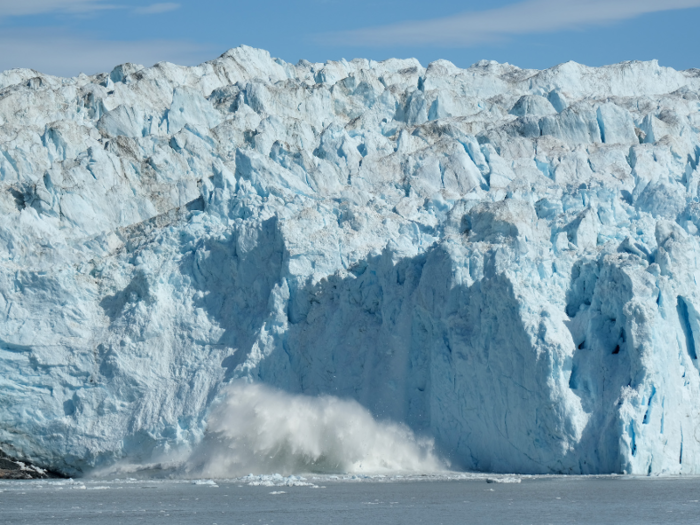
point(65, 54)
point(156, 9)
point(530, 16)
point(38, 7)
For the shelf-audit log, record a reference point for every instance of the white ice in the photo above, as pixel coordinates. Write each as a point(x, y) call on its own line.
point(503, 260)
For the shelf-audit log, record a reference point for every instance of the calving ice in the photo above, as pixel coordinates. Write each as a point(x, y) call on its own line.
point(498, 263)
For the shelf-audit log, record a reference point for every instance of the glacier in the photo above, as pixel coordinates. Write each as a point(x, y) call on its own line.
point(505, 261)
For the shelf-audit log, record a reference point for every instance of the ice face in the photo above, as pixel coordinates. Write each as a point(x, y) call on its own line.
point(504, 260)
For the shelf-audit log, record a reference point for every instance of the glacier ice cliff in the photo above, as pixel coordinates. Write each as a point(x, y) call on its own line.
point(504, 260)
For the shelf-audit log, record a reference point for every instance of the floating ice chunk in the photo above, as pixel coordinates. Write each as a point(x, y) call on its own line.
point(504, 479)
point(207, 482)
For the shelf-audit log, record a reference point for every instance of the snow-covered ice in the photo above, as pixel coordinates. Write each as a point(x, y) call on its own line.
point(505, 261)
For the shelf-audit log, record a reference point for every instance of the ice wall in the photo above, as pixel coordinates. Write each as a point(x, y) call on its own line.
point(504, 260)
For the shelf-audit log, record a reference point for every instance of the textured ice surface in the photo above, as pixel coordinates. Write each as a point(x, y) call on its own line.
point(504, 260)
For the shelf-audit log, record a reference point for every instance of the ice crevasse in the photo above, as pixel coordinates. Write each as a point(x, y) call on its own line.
point(505, 260)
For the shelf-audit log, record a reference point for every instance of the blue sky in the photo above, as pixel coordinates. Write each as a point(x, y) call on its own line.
point(66, 37)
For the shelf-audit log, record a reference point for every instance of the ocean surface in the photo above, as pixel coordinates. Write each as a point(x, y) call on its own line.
point(348, 500)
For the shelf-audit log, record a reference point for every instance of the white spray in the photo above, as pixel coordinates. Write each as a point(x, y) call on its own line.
point(260, 430)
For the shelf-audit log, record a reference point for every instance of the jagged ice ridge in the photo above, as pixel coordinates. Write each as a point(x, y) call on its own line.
point(505, 260)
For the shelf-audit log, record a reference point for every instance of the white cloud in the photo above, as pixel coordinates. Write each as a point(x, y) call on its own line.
point(530, 16)
point(155, 9)
point(64, 54)
point(37, 7)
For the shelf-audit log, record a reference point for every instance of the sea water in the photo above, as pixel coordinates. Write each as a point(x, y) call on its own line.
point(348, 500)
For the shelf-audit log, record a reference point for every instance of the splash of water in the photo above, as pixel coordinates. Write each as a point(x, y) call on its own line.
point(260, 430)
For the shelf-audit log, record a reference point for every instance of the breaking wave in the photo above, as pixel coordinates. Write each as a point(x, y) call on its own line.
point(260, 430)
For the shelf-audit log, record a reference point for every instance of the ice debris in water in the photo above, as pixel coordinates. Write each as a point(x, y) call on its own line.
point(503, 260)
point(504, 479)
point(207, 482)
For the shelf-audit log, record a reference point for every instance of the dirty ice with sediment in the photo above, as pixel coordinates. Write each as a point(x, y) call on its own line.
point(254, 266)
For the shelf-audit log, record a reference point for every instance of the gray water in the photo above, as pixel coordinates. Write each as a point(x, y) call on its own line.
point(538, 500)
